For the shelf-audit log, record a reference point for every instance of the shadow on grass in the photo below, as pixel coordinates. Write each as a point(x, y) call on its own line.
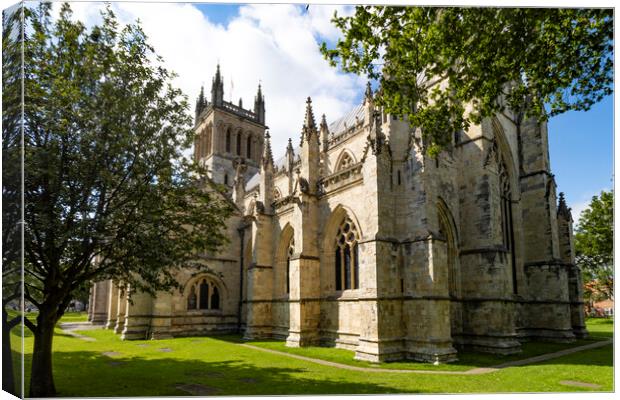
point(90, 374)
point(467, 359)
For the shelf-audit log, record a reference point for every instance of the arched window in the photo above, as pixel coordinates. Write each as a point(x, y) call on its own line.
point(228, 141)
point(289, 255)
point(209, 139)
point(239, 143)
point(248, 147)
point(215, 299)
point(225, 179)
point(345, 162)
point(191, 299)
point(446, 231)
point(204, 295)
point(507, 224)
point(347, 256)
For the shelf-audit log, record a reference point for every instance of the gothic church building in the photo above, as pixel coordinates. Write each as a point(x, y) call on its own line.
point(357, 239)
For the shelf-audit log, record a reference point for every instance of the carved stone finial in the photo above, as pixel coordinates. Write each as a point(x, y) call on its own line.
point(368, 93)
point(563, 209)
point(323, 122)
point(309, 127)
point(267, 154)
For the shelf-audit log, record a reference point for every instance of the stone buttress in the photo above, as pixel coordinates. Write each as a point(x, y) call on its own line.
point(546, 311)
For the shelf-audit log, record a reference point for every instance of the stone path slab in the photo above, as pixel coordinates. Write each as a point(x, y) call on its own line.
point(165, 350)
point(196, 389)
point(581, 384)
point(474, 371)
point(70, 327)
point(111, 353)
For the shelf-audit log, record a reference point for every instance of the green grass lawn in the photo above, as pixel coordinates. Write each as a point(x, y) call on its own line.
point(599, 329)
point(74, 317)
point(141, 368)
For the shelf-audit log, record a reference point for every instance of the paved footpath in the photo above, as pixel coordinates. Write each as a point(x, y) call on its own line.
point(474, 371)
point(70, 327)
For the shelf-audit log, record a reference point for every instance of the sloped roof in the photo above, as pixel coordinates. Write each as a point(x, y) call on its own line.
point(340, 125)
point(336, 128)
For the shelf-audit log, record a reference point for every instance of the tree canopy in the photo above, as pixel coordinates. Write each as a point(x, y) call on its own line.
point(108, 191)
point(445, 68)
point(594, 244)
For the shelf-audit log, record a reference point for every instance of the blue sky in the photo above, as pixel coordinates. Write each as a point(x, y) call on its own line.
point(277, 44)
point(581, 152)
point(219, 13)
point(580, 143)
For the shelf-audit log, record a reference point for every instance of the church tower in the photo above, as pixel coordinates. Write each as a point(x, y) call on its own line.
point(227, 134)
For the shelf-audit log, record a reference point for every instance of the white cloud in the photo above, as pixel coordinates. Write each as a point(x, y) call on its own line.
point(277, 44)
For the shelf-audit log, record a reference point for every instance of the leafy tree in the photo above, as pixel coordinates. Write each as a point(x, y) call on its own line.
point(108, 191)
point(594, 245)
point(11, 204)
point(445, 68)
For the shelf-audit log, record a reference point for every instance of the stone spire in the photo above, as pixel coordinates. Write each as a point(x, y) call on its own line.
point(200, 103)
point(309, 120)
point(563, 209)
point(217, 88)
point(324, 133)
point(266, 176)
point(290, 155)
point(267, 154)
point(259, 106)
point(310, 153)
point(309, 128)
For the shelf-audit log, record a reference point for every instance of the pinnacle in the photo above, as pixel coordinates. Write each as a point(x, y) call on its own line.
point(323, 122)
point(309, 121)
point(562, 207)
point(267, 154)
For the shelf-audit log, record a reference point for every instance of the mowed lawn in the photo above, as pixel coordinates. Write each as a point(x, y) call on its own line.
point(112, 367)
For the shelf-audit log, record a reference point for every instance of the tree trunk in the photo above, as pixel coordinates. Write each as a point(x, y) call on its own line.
point(41, 378)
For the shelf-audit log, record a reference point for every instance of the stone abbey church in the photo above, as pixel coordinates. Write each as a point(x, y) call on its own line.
point(357, 239)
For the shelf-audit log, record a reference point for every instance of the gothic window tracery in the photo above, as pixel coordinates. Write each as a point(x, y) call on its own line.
point(203, 295)
point(289, 255)
point(345, 162)
point(507, 222)
point(228, 140)
point(248, 147)
point(347, 256)
point(209, 140)
point(238, 143)
point(191, 299)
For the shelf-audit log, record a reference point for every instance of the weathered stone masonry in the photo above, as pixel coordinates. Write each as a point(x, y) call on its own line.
point(357, 239)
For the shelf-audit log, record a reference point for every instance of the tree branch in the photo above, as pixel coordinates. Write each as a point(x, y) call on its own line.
point(33, 328)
